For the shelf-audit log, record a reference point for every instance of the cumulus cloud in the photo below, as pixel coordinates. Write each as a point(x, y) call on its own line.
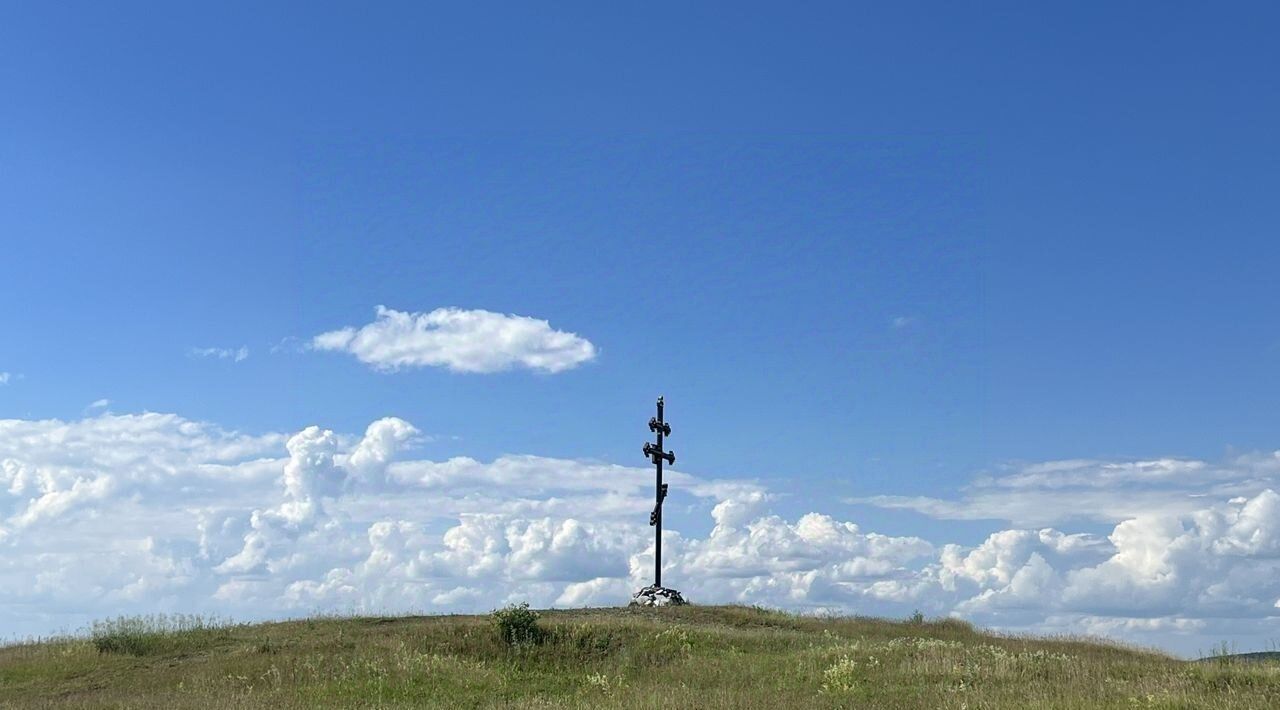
point(382, 440)
point(154, 512)
point(51, 466)
point(1152, 573)
point(459, 340)
point(239, 354)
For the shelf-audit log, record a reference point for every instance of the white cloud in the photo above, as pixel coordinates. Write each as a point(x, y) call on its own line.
point(239, 354)
point(460, 340)
point(1054, 492)
point(98, 404)
point(4, 378)
point(288, 344)
point(153, 512)
point(382, 440)
point(309, 474)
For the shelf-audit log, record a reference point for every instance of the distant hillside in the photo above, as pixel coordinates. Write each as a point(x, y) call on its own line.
point(688, 657)
point(1256, 657)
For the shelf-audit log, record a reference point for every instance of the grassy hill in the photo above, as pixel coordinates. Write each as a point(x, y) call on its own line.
point(694, 657)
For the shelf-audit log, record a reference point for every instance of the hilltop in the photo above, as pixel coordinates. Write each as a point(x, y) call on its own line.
point(696, 657)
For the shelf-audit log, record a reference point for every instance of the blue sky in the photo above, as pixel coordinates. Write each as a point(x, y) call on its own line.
point(863, 251)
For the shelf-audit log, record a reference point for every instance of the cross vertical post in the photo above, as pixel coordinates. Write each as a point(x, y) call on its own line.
point(655, 453)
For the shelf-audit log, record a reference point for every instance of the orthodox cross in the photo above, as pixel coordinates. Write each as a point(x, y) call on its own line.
point(657, 455)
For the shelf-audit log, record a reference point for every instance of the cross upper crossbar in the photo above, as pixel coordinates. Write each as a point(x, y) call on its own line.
point(655, 425)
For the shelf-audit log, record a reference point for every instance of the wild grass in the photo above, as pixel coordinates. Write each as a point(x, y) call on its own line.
point(156, 634)
point(675, 657)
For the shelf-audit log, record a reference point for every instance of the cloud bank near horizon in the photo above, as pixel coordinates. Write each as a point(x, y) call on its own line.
point(143, 513)
point(471, 341)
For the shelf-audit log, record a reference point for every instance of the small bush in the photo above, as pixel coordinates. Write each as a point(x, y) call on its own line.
point(518, 624)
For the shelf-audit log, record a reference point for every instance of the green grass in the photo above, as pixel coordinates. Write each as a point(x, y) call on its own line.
point(685, 657)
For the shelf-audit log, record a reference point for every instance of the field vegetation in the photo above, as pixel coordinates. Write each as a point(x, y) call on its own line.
point(685, 657)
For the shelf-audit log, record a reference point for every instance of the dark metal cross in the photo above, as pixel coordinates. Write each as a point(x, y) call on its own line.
point(657, 455)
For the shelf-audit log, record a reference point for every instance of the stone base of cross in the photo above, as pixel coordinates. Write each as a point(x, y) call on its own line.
point(657, 596)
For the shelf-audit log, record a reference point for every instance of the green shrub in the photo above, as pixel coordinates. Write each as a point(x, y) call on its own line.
point(518, 624)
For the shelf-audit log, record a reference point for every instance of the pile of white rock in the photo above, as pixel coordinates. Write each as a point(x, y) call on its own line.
point(657, 596)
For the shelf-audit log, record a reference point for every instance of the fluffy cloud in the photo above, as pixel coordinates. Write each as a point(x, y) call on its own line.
point(153, 512)
point(382, 440)
point(1151, 574)
point(50, 468)
point(309, 474)
point(460, 340)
